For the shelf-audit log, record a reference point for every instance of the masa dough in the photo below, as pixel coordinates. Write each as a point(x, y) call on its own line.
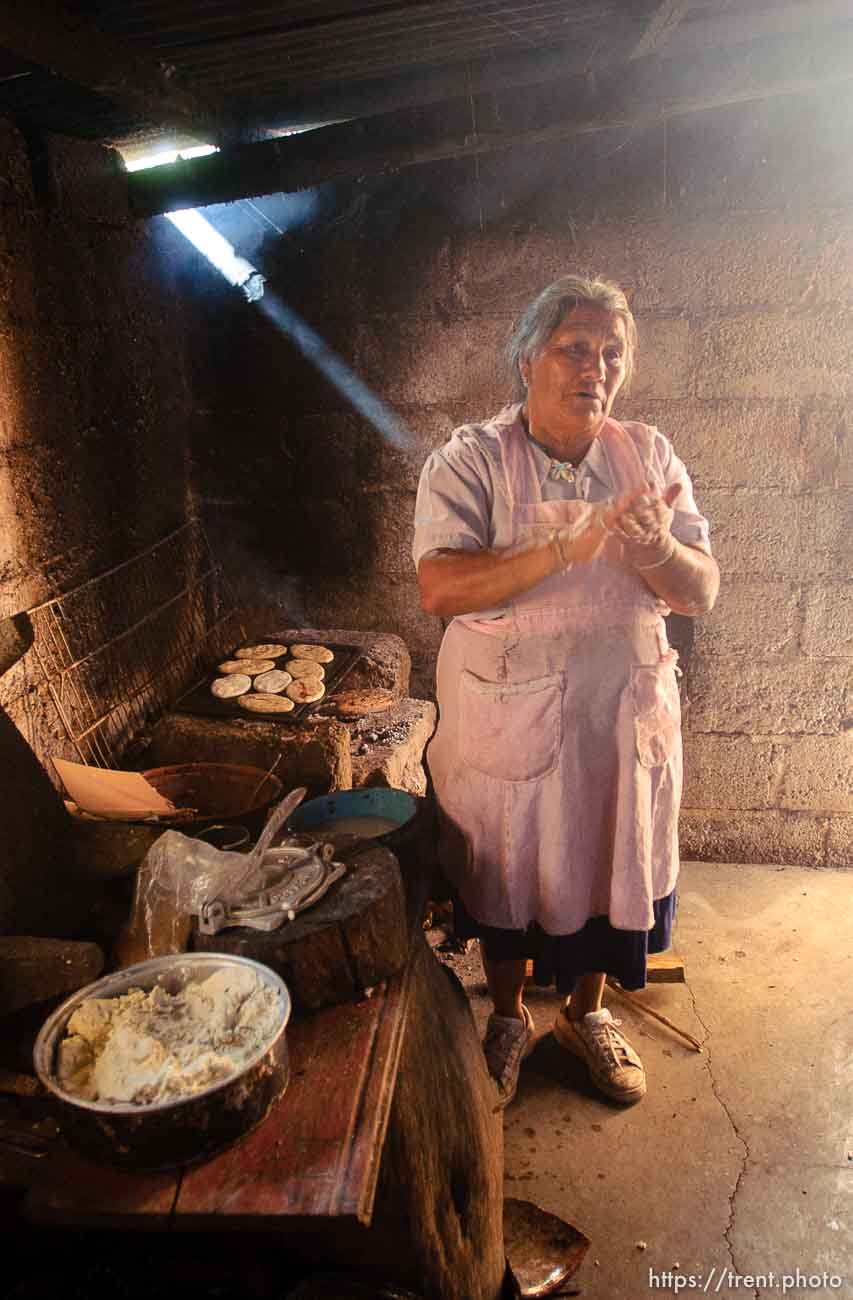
point(157, 1046)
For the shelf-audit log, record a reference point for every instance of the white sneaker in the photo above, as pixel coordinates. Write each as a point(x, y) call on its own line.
point(614, 1066)
point(505, 1046)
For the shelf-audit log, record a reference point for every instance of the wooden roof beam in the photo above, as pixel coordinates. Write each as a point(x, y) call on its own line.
point(71, 47)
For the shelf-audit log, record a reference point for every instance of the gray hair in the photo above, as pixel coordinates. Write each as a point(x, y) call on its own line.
point(539, 320)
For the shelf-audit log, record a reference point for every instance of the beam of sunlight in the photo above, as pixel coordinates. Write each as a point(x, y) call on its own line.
point(203, 236)
point(334, 369)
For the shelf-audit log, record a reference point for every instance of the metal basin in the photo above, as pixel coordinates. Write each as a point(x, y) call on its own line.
point(175, 1132)
point(219, 792)
point(397, 806)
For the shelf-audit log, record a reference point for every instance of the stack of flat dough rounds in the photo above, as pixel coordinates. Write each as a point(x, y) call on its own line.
point(306, 667)
point(274, 689)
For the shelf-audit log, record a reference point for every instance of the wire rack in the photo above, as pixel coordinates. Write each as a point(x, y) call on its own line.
point(176, 616)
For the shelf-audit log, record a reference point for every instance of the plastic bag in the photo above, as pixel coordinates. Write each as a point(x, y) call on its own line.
point(175, 877)
point(178, 874)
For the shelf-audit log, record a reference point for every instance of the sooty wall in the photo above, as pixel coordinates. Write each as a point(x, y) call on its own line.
point(732, 230)
point(94, 448)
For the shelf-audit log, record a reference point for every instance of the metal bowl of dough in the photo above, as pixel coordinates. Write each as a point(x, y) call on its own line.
point(183, 1130)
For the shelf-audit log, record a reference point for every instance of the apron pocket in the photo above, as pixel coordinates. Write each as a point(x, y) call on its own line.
point(512, 731)
point(657, 710)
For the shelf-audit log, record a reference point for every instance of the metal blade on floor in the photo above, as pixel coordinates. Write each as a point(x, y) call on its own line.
point(543, 1250)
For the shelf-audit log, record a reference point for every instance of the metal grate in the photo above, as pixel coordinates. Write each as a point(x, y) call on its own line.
point(176, 616)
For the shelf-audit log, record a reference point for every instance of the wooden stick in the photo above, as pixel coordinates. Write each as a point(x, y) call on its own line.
point(266, 776)
point(655, 1015)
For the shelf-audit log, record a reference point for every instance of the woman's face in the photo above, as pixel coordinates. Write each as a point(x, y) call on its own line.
point(572, 383)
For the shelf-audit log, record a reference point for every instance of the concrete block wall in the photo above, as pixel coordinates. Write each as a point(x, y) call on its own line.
point(732, 231)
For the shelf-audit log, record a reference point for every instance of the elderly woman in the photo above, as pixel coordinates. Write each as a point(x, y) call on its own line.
point(556, 538)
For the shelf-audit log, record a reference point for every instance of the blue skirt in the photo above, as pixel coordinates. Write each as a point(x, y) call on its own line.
point(561, 959)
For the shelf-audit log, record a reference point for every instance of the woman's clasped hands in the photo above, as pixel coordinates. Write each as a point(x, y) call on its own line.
point(640, 519)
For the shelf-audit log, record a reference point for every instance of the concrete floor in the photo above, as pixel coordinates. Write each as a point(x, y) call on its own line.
point(739, 1159)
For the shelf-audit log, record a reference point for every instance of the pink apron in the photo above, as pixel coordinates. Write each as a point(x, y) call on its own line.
point(557, 758)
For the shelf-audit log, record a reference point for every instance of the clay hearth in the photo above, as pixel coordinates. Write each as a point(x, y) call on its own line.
point(323, 752)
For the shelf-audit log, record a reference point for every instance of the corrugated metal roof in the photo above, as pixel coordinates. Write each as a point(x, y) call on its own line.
point(389, 36)
point(37, 99)
point(269, 66)
point(261, 58)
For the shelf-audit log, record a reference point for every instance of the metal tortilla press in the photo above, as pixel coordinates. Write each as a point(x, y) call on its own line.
point(304, 875)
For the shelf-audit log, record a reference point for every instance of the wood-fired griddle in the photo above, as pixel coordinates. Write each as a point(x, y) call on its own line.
point(199, 700)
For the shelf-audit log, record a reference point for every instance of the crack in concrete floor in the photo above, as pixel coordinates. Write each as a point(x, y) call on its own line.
point(735, 1158)
point(706, 1051)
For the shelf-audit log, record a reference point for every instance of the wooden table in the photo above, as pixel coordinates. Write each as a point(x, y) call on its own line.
point(315, 1157)
point(389, 1103)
